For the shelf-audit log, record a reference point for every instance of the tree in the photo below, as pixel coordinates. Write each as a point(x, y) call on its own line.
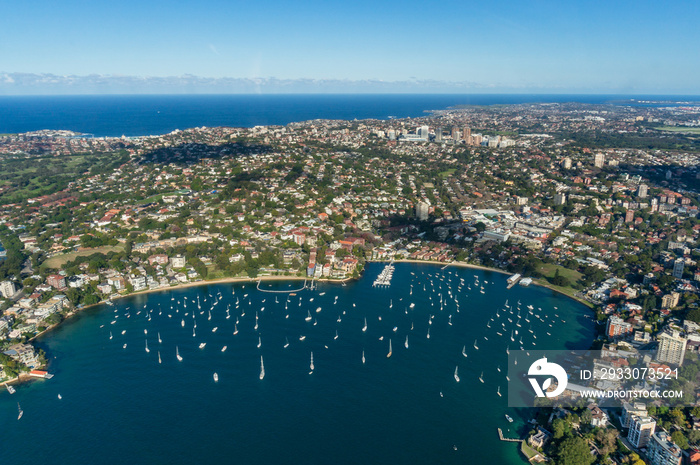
point(573, 451)
point(679, 438)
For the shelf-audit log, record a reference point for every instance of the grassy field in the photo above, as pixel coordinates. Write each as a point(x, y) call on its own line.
point(685, 130)
point(446, 173)
point(58, 261)
point(548, 270)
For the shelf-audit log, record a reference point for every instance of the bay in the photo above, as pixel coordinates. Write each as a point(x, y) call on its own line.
point(119, 405)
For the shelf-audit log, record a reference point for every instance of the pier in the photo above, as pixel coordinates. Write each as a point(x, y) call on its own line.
point(513, 280)
point(384, 278)
point(500, 436)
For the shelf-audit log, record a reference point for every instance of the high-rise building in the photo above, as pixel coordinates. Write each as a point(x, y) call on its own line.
point(671, 347)
point(424, 132)
point(560, 198)
point(599, 160)
point(438, 134)
point(662, 450)
point(670, 300)
point(7, 289)
point(422, 211)
point(391, 134)
point(629, 216)
point(630, 410)
point(641, 429)
point(643, 191)
point(678, 267)
point(467, 134)
point(567, 163)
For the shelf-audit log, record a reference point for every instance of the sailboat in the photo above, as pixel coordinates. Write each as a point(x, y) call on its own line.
point(363, 357)
point(235, 329)
point(160, 341)
point(364, 328)
point(216, 378)
point(259, 342)
point(389, 354)
point(286, 342)
point(336, 335)
point(21, 412)
point(456, 375)
point(311, 365)
point(405, 344)
point(110, 334)
point(262, 368)
point(475, 346)
point(428, 335)
point(498, 391)
point(159, 361)
point(147, 349)
point(481, 377)
point(177, 354)
point(308, 318)
point(464, 351)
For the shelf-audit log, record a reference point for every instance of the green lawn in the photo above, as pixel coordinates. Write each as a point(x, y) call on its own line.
point(58, 261)
point(528, 451)
point(686, 130)
point(447, 173)
point(548, 270)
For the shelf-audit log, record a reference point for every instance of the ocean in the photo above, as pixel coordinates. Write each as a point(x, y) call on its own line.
point(120, 405)
point(139, 115)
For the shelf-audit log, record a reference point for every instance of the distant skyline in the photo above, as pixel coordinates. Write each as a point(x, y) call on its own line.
point(216, 46)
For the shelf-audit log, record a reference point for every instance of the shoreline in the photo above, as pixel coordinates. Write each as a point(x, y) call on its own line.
point(21, 379)
point(535, 281)
point(76, 311)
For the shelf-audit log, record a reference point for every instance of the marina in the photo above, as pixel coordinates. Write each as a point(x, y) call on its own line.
point(347, 346)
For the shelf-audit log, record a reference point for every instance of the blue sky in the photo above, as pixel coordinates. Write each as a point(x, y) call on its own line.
point(528, 46)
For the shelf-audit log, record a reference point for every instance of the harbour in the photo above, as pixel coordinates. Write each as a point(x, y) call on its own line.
point(411, 399)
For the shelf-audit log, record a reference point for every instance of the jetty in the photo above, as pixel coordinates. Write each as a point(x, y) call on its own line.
point(384, 278)
point(513, 280)
point(502, 438)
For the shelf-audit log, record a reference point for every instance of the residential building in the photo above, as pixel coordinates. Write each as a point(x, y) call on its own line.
point(642, 191)
point(177, 262)
point(560, 198)
point(678, 267)
point(56, 281)
point(670, 300)
point(7, 289)
point(618, 328)
point(630, 410)
point(422, 211)
point(641, 429)
point(662, 451)
point(599, 160)
point(672, 345)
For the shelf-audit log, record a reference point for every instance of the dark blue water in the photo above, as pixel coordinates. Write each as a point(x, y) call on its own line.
point(119, 405)
point(159, 114)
